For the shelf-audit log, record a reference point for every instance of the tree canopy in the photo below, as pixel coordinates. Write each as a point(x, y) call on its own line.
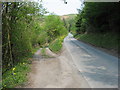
point(24, 27)
point(98, 17)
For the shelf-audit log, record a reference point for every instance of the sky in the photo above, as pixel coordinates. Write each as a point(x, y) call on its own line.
point(60, 8)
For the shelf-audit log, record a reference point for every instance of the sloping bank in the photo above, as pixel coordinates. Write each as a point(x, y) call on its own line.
point(108, 42)
point(56, 45)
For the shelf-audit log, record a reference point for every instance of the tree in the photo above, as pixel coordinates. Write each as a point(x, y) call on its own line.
point(97, 17)
point(18, 31)
point(54, 27)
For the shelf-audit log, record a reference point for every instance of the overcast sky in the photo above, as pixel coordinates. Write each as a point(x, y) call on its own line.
point(60, 8)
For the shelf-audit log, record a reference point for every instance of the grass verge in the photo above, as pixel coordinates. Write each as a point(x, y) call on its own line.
point(18, 74)
point(43, 52)
point(108, 40)
point(56, 45)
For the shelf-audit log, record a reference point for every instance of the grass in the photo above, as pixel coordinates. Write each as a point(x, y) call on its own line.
point(56, 45)
point(108, 40)
point(18, 74)
point(43, 52)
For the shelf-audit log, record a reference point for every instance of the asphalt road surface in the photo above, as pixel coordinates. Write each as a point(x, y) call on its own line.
point(97, 67)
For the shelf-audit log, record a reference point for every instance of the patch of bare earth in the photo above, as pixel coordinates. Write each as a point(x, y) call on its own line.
point(56, 72)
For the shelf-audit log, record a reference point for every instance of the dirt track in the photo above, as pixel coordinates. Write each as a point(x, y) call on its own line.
point(57, 72)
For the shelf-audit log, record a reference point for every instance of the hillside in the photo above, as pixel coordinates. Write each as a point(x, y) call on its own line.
point(70, 16)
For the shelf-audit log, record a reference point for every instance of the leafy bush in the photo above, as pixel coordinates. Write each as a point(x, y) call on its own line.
point(20, 30)
point(54, 27)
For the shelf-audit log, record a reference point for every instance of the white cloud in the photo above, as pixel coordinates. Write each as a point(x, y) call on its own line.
point(60, 8)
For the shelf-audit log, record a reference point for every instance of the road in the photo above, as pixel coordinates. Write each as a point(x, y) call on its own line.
point(58, 71)
point(77, 66)
point(97, 67)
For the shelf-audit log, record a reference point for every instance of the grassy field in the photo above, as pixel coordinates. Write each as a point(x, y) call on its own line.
point(108, 40)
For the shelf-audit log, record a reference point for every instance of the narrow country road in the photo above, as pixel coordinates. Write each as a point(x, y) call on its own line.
point(77, 66)
point(58, 71)
point(97, 67)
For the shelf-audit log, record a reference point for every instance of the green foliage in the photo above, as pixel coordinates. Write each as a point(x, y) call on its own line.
point(97, 17)
point(19, 30)
point(69, 22)
point(107, 40)
point(97, 23)
point(56, 45)
point(54, 27)
point(24, 27)
point(43, 52)
point(16, 75)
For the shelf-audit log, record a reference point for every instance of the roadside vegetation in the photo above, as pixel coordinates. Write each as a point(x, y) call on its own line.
point(16, 75)
point(43, 52)
point(98, 24)
point(25, 28)
point(69, 22)
point(101, 40)
point(56, 45)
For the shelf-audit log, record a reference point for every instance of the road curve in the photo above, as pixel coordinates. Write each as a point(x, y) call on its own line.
point(98, 68)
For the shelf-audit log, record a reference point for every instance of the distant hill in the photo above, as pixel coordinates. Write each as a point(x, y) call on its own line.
point(70, 16)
